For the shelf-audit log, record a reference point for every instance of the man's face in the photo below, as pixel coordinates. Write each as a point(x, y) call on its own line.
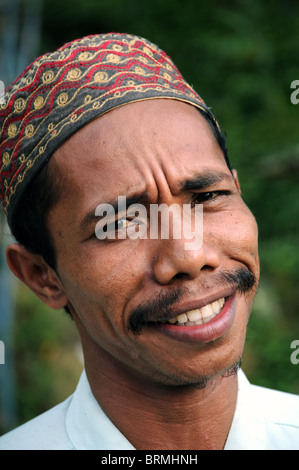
point(159, 151)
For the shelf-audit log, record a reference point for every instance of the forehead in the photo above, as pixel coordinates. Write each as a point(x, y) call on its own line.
point(137, 146)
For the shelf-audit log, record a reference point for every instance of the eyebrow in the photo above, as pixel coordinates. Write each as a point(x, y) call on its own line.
point(91, 218)
point(202, 181)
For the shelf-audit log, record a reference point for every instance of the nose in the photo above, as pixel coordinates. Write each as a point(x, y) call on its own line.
point(174, 260)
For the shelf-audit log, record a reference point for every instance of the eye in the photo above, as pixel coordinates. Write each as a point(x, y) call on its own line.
point(117, 225)
point(122, 228)
point(209, 196)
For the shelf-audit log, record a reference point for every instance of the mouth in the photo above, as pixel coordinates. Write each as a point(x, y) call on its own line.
point(204, 320)
point(201, 325)
point(198, 316)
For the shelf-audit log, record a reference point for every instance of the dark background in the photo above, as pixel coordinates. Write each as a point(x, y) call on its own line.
point(241, 56)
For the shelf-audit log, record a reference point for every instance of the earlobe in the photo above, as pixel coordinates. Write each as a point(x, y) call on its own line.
point(235, 175)
point(33, 271)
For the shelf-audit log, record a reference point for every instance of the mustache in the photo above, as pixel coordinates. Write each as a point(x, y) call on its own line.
point(159, 309)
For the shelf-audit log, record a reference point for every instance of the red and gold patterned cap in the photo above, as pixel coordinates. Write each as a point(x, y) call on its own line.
point(62, 91)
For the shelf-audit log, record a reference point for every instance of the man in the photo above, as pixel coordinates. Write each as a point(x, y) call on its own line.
point(162, 325)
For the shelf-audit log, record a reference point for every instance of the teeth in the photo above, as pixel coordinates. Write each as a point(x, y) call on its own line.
point(182, 318)
point(199, 316)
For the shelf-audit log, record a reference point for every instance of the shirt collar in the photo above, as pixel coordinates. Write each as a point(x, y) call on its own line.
point(248, 429)
point(89, 427)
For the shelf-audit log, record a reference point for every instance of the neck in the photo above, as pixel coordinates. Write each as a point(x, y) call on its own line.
point(158, 417)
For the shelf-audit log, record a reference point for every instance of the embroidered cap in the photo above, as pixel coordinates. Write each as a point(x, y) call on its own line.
point(62, 91)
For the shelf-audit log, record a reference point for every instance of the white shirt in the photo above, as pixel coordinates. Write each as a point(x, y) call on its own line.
point(264, 420)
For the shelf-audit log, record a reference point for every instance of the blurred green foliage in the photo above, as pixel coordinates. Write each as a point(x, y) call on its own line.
point(48, 355)
point(241, 56)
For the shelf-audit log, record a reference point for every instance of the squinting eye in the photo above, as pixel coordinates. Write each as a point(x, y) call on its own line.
point(208, 196)
point(119, 224)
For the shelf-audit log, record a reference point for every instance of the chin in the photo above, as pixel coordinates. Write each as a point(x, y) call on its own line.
point(199, 379)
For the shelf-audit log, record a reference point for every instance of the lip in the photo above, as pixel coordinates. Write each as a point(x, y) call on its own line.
point(198, 304)
point(207, 332)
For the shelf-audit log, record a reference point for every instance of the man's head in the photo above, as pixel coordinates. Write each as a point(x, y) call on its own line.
point(126, 295)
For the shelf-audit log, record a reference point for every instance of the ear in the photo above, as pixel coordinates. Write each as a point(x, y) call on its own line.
point(235, 175)
point(33, 271)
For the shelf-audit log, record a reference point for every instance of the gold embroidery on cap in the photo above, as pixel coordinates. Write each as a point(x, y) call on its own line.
point(167, 77)
point(5, 158)
point(74, 74)
point(96, 105)
point(101, 77)
point(12, 130)
point(132, 42)
point(117, 47)
point(48, 76)
point(113, 58)
point(29, 80)
point(19, 105)
point(147, 51)
point(139, 70)
point(29, 131)
point(62, 99)
point(38, 102)
point(84, 56)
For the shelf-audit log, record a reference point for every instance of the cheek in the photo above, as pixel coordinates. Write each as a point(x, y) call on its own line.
point(246, 233)
point(100, 280)
point(236, 235)
point(99, 291)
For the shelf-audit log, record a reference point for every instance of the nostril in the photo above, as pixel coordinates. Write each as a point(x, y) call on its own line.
point(180, 276)
point(183, 275)
point(207, 268)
